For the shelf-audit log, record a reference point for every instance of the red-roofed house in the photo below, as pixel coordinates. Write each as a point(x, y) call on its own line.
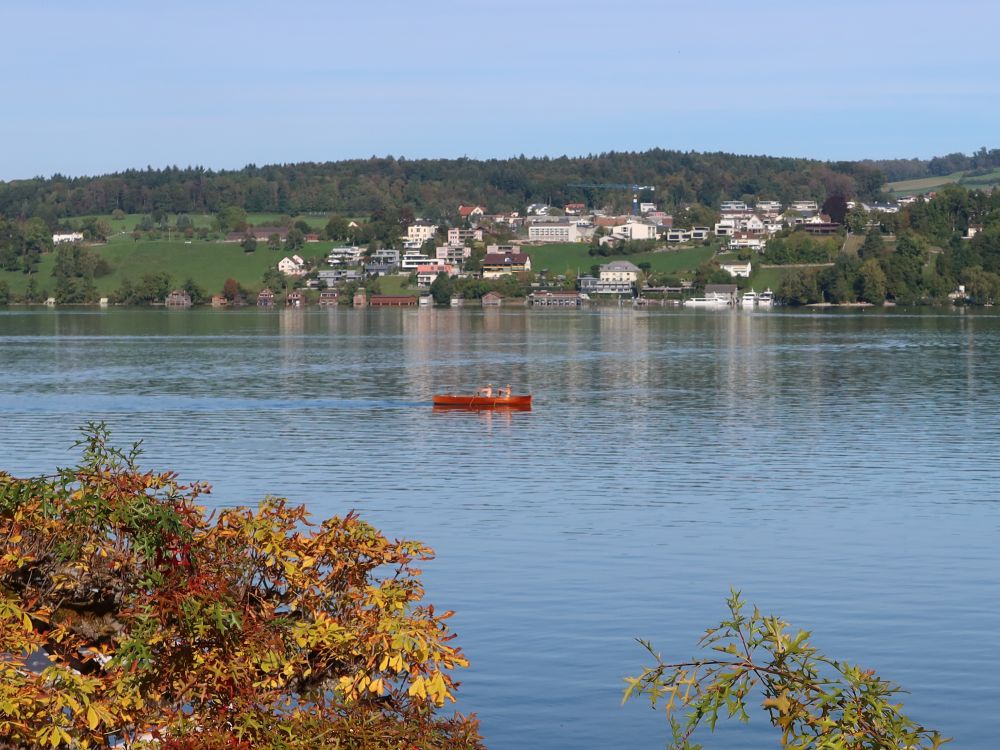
point(467, 212)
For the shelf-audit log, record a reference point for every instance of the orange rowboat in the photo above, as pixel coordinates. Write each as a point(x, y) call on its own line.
point(472, 401)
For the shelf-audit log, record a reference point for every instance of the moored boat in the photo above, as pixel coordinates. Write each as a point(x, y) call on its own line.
point(709, 302)
point(749, 299)
point(765, 299)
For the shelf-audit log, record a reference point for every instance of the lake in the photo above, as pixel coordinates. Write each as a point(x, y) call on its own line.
point(841, 469)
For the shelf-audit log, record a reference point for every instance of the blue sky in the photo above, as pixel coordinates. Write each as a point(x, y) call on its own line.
point(101, 86)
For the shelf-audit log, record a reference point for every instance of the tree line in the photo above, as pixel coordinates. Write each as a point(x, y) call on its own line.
point(434, 187)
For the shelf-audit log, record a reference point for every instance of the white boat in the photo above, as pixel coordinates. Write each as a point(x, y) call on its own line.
point(426, 300)
point(749, 299)
point(765, 298)
point(714, 303)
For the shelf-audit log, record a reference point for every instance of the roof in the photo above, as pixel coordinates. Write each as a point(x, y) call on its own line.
point(505, 259)
point(619, 265)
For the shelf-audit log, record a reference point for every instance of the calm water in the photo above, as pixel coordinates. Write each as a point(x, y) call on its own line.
point(843, 470)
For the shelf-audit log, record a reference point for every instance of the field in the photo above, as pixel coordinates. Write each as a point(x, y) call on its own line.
point(574, 256)
point(208, 263)
point(131, 221)
point(925, 184)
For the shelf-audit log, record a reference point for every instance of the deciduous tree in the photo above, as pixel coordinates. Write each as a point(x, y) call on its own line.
point(127, 611)
point(814, 701)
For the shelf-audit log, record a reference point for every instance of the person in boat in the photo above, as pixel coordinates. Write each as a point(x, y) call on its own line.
point(487, 392)
point(504, 392)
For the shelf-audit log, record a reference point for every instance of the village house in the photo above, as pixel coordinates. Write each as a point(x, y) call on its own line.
point(700, 233)
point(412, 259)
point(178, 298)
point(219, 300)
point(329, 298)
point(294, 266)
point(745, 240)
point(499, 264)
point(295, 298)
point(420, 231)
point(574, 209)
point(458, 236)
point(454, 255)
point(426, 274)
point(617, 277)
point(636, 230)
point(344, 256)
point(383, 262)
point(492, 299)
point(470, 212)
point(768, 208)
point(265, 298)
point(646, 208)
point(737, 270)
point(678, 234)
point(60, 238)
point(339, 275)
point(726, 206)
point(803, 206)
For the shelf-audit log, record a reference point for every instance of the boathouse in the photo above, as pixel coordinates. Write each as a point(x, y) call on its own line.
point(265, 298)
point(393, 300)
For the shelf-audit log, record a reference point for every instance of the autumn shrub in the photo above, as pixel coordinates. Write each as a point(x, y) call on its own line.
point(128, 613)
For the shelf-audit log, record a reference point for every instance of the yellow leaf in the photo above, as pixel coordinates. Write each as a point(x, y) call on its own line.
point(92, 718)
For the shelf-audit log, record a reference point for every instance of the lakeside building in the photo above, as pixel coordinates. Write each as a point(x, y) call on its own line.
point(392, 300)
point(265, 298)
point(496, 265)
point(723, 292)
point(546, 298)
point(338, 275)
point(178, 298)
point(412, 259)
point(295, 298)
point(617, 277)
point(428, 273)
point(329, 298)
point(492, 299)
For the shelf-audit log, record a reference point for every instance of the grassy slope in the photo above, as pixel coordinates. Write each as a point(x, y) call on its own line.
point(130, 221)
point(208, 263)
point(912, 187)
point(574, 256)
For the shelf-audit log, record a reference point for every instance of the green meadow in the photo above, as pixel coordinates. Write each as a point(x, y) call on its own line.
point(208, 263)
point(574, 256)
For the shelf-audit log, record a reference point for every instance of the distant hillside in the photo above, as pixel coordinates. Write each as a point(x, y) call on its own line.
point(972, 179)
point(434, 187)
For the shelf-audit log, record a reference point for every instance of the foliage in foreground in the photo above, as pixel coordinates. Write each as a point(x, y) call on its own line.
point(127, 612)
point(816, 702)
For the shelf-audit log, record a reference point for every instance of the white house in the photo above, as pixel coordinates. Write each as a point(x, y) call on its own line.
point(803, 206)
point(294, 266)
point(63, 237)
point(769, 207)
point(745, 240)
point(617, 277)
point(737, 269)
point(677, 234)
point(645, 208)
point(733, 206)
point(635, 230)
point(344, 256)
point(420, 231)
point(414, 258)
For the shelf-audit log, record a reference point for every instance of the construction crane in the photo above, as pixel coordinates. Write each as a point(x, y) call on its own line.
point(618, 186)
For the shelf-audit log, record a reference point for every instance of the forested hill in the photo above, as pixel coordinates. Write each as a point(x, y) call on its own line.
point(433, 187)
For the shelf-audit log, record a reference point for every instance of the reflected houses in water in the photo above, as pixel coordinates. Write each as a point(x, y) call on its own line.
point(292, 345)
point(456, 350)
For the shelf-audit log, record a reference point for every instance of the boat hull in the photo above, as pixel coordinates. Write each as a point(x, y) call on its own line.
point(460, 401)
